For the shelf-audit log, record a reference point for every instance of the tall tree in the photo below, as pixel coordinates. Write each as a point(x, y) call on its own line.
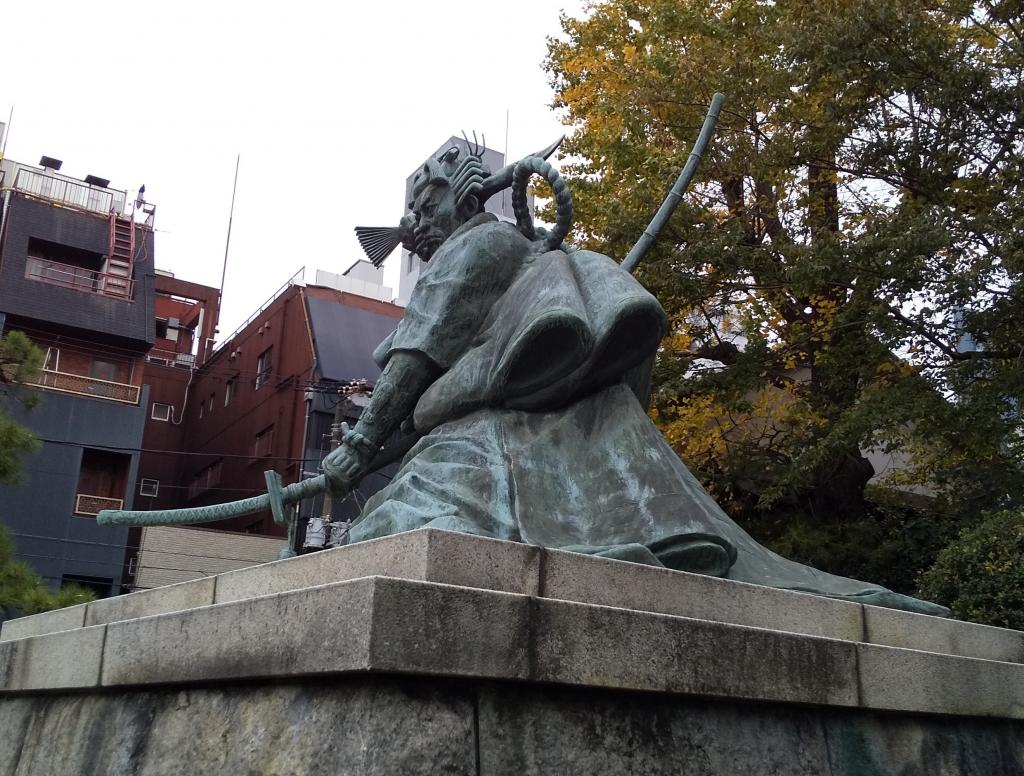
point(847, 273)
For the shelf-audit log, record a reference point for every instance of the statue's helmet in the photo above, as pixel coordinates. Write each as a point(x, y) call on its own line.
point(463, 170)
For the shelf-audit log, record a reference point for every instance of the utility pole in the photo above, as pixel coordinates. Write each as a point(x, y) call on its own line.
point(320, 531)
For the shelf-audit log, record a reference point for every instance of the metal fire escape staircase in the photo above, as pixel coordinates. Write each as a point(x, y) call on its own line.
point(117, 272)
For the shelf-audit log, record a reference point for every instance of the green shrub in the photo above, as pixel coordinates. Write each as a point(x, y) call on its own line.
point(23, 592)
point(980, 576)
point(890, 545)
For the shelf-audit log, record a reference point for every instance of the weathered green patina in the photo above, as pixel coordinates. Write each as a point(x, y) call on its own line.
point(523, 365)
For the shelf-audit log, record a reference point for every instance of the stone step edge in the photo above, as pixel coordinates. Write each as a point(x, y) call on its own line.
point(388, 625)
point(477, 562)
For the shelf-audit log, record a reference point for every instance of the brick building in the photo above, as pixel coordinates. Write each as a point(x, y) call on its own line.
point(265, 398)
point(185, 324)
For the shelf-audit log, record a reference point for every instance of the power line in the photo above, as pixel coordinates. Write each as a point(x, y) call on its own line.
point(173, 452)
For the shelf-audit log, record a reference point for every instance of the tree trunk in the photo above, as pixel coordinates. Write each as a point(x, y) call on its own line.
point(838, 490)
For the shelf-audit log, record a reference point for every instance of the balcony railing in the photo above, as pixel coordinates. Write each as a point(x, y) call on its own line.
point(86, 386)
point(171, 358)
point(78, 278)
point(92, 505)
point(69, 192)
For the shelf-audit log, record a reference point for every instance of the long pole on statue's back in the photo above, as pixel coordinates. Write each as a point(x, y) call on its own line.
point(675, 196)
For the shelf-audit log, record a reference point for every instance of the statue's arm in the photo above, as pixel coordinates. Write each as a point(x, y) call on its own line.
point(407, 375)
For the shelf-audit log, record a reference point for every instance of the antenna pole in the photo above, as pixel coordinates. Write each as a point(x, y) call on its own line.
point(231, 217)
point(7, 132)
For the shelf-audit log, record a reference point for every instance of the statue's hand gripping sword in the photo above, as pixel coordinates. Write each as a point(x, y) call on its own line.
point(279, 498)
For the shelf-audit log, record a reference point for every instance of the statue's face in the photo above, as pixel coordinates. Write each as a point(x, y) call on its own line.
point(437, 216)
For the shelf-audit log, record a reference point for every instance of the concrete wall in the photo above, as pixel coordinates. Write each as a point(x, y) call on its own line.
point(407, 725)
point(432, 652)
point(171, 554)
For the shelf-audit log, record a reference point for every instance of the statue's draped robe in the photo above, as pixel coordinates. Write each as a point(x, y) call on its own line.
point(533, 431)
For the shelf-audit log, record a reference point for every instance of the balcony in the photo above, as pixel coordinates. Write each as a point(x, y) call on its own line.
point(81, 385)
point(93, 505)
point(78, 278)
point(171, 358)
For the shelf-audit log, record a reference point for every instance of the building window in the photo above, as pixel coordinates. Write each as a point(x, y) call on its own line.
point(210, 408)
point(263, 443)
point(160, 411)
point(263, 367)
point(205, 479)
point(197, 485)
point(101, 586)
point(167, 329)
point(149, 487)
point(103, 370)
point(229, 390)
point(102, 477)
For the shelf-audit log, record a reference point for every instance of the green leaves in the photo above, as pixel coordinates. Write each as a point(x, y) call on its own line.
point(860, 211)
point(20, 361)
point(22, 591)
point(980, 576)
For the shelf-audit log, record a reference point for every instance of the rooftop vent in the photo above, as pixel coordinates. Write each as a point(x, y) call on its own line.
point(50, 163)
point(96, 180)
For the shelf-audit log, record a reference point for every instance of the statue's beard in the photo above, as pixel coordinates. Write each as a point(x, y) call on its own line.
point(428, 242)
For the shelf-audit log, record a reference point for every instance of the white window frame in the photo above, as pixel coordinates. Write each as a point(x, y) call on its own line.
point(167, 417)
point(155, 487)
point(264, 438)
point(263, 367)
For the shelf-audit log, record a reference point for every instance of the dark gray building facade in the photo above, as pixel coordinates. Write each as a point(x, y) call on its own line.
point(76, 276)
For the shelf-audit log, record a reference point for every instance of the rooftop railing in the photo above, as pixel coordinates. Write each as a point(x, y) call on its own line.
point(295, 280)
point(47, 184)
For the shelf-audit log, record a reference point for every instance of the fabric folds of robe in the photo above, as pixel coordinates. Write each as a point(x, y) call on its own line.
point(569, 324)
point(591, 476)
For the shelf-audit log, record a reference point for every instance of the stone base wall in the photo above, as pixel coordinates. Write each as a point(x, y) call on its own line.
point(439, 653)
point(390, 725)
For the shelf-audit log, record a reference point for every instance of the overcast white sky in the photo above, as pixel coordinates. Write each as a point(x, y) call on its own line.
point(330, 104)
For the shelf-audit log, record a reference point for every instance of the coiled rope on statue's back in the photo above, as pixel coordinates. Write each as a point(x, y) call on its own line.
point(520, 205)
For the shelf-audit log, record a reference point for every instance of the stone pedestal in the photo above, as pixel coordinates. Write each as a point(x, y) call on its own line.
point(433, 652)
